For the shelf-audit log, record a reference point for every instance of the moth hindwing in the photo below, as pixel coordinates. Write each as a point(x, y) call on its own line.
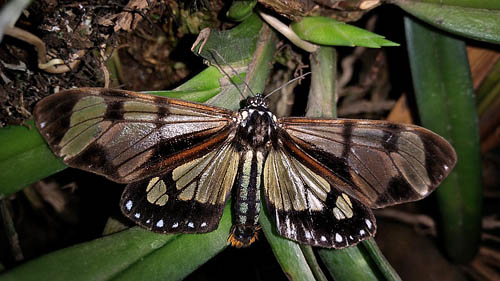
point(320, 177)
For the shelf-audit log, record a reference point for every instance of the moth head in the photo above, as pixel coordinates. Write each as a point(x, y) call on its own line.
point(257, 102)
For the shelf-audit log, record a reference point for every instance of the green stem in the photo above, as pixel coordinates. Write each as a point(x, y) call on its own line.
point(322, 94)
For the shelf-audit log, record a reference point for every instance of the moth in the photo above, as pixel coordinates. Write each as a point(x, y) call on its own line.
point(319, 177)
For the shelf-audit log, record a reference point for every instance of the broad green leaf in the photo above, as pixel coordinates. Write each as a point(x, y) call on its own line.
point(327, 31)
point(471, 22)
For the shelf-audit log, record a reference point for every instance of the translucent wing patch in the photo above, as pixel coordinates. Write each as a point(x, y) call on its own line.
point(308, 209)
point(128, 136)
point(377, 162)
point(189, 199)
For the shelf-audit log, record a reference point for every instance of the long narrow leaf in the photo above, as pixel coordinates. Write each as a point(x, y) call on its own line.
point(445, 97)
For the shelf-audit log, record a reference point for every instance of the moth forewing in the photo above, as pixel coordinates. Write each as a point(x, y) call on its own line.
point(127, 136)
point(379, 163)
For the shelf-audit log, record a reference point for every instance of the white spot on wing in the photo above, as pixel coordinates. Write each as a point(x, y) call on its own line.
point(148, 221)
point(368, 223)
point(175, 225)
point(350, 237)
point(159, 223)
point(338, 238)
point(42, 124)
point(137, 215)
point(308, 235)
point(323, 238)
point(129, 205)
point(361, 232)
point(191, 224)
point(203, 224)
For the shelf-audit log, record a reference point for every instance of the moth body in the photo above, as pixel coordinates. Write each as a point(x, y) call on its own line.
point(255, 135)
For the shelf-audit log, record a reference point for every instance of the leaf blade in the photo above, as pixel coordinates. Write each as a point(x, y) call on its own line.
point(327, 31)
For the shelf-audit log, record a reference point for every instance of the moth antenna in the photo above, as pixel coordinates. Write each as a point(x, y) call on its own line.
point(234, 72)
point(286, 84)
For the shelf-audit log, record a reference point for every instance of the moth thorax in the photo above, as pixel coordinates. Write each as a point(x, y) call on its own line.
point(257, 127)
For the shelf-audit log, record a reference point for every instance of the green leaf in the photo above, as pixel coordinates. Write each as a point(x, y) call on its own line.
point(24, 158)
point(471, 22)
point(348, 264)
point(327, 31)
point(133, 254)
point(288, 253)
point(445, 98)
point(200, 88)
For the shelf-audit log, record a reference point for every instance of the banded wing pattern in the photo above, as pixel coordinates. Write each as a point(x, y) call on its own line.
point(308, 209)
point(188, 199)
point(127, 136)
point(377, 162)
